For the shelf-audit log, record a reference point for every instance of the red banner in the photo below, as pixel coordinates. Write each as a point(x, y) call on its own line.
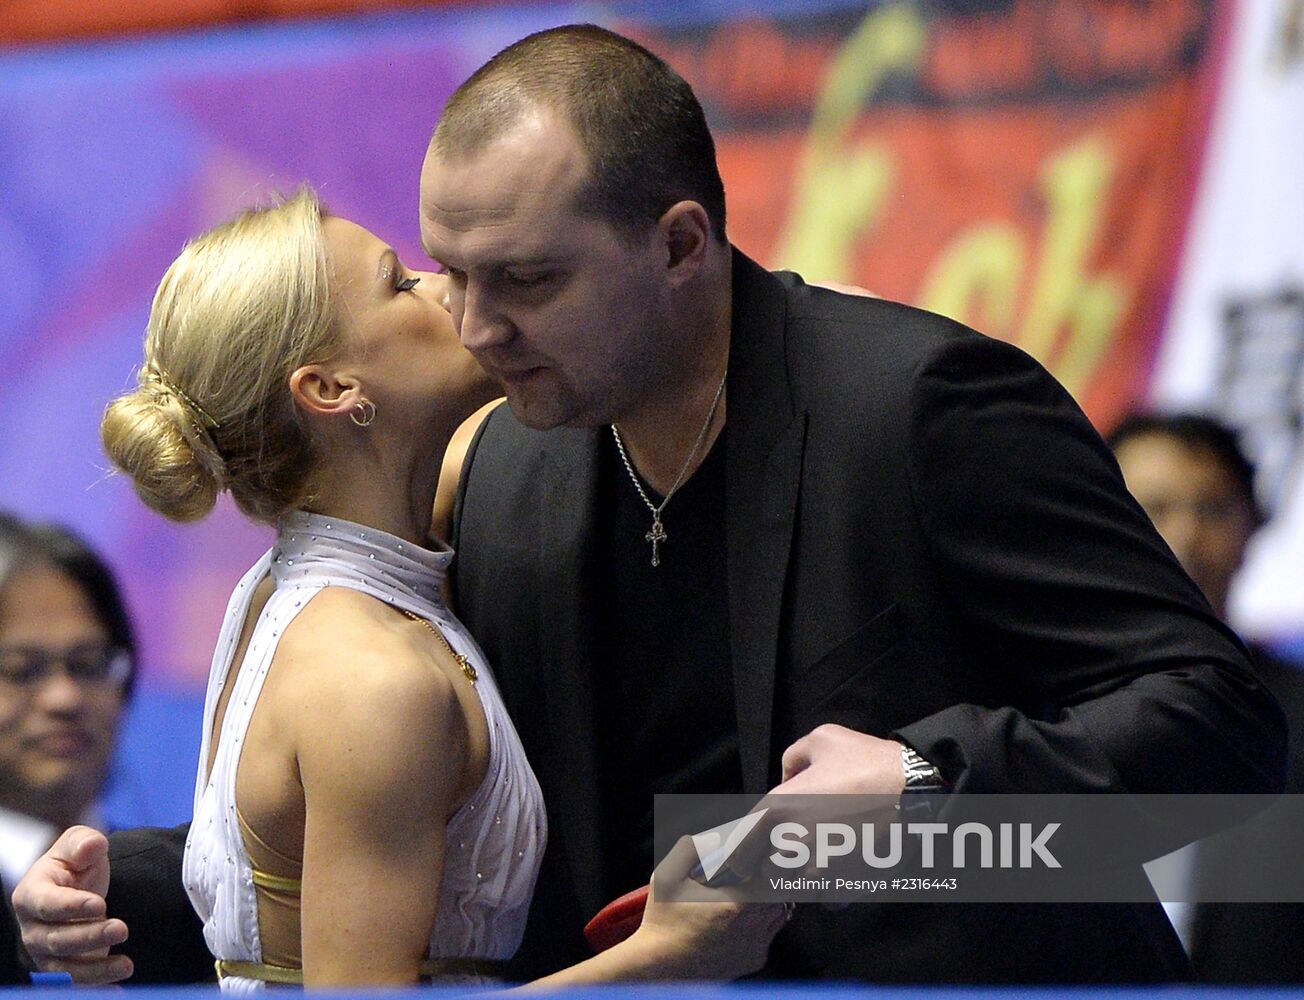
point(1025, 167)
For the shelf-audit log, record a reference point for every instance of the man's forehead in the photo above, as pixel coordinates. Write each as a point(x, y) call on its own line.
point(518, 229)
point(513, 215)
point(529, 176)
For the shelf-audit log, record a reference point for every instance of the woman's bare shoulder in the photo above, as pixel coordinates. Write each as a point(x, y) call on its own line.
point(347, 652)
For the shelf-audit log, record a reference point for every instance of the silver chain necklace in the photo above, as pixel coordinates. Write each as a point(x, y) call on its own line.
point(658, 533)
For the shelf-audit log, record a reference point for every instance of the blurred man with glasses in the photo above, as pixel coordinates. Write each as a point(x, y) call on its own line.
point(66, 669)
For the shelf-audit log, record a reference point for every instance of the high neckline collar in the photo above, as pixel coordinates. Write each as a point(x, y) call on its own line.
point(315, 548)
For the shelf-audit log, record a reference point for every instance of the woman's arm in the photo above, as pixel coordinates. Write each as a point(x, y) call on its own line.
point(381, 743)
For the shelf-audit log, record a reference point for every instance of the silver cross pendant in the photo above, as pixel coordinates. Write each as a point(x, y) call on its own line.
point(656, 536)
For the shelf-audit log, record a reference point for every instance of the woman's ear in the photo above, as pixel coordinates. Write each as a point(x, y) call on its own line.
point(319, 391)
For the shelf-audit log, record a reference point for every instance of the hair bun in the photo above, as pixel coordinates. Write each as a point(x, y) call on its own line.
point(242, 307)
point(154, 438)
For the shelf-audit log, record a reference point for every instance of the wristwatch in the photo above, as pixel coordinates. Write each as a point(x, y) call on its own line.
point(921, 776)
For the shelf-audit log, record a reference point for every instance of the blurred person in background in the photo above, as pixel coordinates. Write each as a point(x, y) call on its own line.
point(1191, 476)
point(66, 669)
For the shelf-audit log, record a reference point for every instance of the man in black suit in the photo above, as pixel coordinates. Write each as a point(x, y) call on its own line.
point(728, 513)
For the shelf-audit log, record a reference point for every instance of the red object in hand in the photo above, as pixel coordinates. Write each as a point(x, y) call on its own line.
point(617, 920)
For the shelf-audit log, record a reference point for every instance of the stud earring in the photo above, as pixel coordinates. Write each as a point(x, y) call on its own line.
point(364, 413)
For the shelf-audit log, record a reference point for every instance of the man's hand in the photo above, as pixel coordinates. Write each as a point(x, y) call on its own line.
point(60, 905)
point(835, 760)
point(828, 761)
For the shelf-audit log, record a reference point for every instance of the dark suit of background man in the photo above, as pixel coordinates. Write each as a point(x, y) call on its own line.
point(13, 962)
point(1189, 473)
point(883, 522)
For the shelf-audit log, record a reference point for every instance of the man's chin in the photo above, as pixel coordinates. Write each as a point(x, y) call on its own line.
point(545, 408)
point(62, 781)
point(532, 411)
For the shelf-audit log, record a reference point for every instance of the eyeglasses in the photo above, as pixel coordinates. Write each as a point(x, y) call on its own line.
point(24, 667)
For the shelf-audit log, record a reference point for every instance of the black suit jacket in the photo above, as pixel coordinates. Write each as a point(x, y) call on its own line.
point(925, 537)
point(14, 964)
point(166, 942)
point(1238, 943)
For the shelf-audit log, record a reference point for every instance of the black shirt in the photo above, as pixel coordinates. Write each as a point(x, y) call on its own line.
point(663, 665)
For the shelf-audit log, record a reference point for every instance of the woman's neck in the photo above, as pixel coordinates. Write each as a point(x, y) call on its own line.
point(395, 497)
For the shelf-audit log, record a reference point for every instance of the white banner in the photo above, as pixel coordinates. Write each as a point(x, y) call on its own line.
point(1234, 343)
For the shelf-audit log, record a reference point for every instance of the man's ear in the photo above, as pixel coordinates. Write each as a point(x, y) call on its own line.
point(685, 230)
point(318, 391)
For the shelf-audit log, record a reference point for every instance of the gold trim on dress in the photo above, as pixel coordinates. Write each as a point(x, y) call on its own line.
point(430, 968)
point(278, 883)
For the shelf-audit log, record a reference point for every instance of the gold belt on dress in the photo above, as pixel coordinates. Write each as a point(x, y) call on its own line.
point(430, 968)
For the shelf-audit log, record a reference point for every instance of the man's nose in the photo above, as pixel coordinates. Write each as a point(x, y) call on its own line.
point(481, 323)
point(59, 692)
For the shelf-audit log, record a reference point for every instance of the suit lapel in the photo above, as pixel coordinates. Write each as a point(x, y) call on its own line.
point(568, 620)
point(765, 442)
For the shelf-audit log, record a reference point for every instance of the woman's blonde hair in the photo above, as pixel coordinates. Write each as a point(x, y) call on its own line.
point(243, 306)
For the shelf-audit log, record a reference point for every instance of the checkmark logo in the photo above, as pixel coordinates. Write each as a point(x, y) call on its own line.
point(718, 844)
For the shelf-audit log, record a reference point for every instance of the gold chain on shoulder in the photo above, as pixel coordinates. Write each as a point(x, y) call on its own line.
point(468, 671)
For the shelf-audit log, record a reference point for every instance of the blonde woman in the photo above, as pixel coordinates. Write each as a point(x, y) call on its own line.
point(364, 813)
